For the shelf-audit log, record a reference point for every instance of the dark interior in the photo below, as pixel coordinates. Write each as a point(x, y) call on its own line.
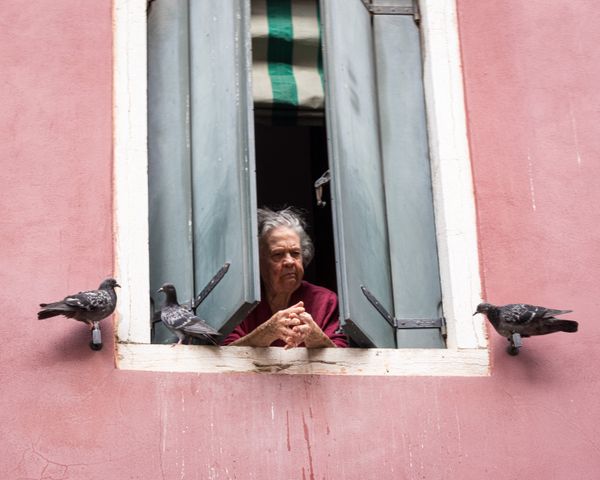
point(288, 161)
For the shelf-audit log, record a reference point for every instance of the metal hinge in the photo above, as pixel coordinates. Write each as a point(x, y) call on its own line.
point(405, 323)
point(393, 7)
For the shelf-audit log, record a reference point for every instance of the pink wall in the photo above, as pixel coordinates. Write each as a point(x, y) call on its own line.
point(532, 99)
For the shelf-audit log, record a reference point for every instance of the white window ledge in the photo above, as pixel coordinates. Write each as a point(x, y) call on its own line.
point(467, 353)
point(303, 361)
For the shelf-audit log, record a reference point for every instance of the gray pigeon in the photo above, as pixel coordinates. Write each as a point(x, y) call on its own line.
point(518, 320)
point(181, 320)
point(90, 306)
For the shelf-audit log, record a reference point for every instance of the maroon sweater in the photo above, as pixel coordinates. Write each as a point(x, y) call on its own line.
point(320, 302)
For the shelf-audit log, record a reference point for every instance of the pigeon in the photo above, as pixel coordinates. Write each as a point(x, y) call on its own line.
point(89, 307)
point(181, 320)
point(518, 320)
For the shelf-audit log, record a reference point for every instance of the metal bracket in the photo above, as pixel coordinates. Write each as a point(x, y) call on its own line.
point(515, 344)
point(322, 180)
point(209, 286)
point(404, 323)
point(391, 7)
point(96, 337)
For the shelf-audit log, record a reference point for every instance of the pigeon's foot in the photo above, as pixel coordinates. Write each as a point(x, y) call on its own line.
point(512, 350)
point(515, 344)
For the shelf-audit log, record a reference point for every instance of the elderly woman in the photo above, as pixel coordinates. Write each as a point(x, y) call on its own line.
point(292, 312)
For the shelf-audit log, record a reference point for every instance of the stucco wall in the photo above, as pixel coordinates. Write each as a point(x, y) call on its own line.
point(532, 102)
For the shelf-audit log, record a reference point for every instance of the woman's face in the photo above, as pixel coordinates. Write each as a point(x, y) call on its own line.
point(281, 261)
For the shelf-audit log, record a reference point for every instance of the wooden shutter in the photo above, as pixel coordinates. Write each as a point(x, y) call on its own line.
point(381, 180)
point(215, 183)
point(407, 178)
point(358, 202)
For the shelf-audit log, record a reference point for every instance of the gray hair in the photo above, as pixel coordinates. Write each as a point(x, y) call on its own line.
point(291, 218)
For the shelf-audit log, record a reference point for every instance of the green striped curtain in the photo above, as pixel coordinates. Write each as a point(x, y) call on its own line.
point(287, 71)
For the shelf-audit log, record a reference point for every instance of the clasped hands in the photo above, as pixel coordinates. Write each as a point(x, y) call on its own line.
point(294, 326)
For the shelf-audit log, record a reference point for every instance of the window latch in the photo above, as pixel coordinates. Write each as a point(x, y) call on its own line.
point(404, 323)
point(194, 303)
point(322, 180)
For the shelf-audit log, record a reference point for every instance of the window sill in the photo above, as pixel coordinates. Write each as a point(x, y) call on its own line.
point(302, 361)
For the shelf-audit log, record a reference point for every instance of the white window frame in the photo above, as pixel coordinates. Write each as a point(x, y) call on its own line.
point(454, 206)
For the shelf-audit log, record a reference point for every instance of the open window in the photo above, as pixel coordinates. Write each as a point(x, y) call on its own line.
point(380, 177)
point(378, 223)
point(290, 133)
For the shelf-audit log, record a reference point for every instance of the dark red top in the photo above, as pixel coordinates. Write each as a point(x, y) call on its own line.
point(320, 302)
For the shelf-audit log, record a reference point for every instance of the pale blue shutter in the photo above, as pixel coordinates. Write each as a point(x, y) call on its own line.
point(407, 177)
point(201, 171)
point(381, 182)
point(358, 202)
point(223, 167)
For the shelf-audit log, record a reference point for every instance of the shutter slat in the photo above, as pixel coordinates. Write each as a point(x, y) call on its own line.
point(169, 168)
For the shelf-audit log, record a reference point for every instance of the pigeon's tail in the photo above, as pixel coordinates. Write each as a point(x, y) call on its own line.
point(202, 332)
point(569, 326)
point(54, 309)
point(203, 335)
point(210, 339)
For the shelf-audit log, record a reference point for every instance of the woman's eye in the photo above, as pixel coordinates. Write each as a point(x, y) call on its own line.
point(279, 256)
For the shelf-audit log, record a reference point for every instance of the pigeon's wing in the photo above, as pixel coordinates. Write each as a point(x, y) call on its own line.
point(523, 313)
point(174, 316)
point(180, 319)
point(518, 313)
point(90, 301)
point(550, 312)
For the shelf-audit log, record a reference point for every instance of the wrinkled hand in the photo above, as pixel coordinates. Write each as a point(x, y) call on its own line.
point(292, 325)
point(281, 325)
point(307, 332)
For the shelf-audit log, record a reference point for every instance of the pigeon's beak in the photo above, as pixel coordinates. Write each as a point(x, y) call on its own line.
point(476, 312)
point(160, 290)
point(117, 285)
